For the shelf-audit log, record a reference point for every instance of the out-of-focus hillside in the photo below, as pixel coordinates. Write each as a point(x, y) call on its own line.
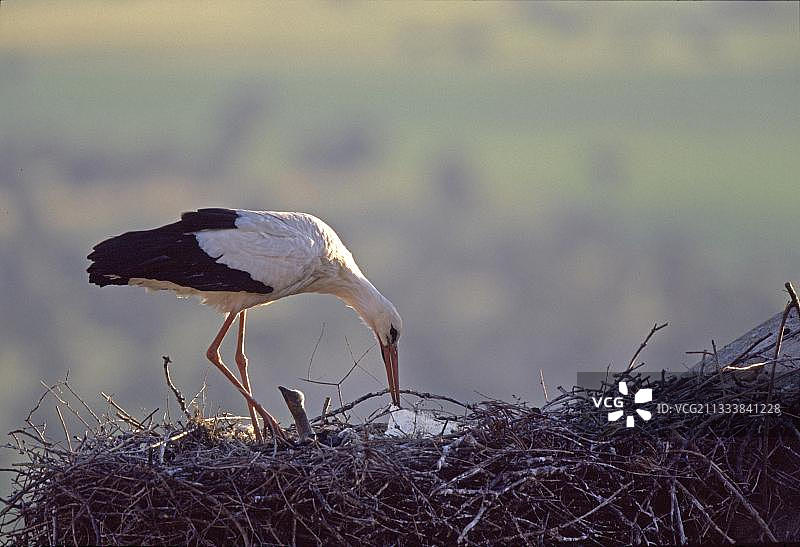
point(532, 184)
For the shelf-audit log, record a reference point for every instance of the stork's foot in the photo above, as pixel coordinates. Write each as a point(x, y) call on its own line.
point(271, 425)
point(275, 431)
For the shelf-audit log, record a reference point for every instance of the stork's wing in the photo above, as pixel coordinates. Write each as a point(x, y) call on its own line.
point(268, 246)
point(213, 250)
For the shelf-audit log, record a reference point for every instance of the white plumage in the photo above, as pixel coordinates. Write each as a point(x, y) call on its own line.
point(286, 251)
point(235, 259)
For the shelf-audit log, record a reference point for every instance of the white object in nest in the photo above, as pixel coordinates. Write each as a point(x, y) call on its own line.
point(348, 435)
point(409, 423)
point(247, 429)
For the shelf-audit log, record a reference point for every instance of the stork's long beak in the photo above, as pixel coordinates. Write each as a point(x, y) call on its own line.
point(390, 360)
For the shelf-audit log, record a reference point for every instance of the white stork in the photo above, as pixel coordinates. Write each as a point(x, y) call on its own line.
point(235, 259)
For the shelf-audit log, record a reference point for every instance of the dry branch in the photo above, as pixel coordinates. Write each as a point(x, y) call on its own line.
point(178, 395)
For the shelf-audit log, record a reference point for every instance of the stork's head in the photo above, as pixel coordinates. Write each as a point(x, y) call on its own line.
point(381, 316)
point(388, 326)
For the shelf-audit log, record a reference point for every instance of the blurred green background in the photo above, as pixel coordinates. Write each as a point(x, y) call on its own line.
point(532, 184)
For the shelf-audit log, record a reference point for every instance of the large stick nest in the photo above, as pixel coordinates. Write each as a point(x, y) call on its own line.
point(510, 474)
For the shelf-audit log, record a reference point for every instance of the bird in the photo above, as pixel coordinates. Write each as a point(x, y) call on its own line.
point(237, 259)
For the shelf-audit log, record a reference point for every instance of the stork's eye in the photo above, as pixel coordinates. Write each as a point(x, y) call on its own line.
point(393, 334)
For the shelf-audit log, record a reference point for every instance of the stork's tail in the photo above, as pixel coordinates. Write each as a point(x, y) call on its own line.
point(142, 254)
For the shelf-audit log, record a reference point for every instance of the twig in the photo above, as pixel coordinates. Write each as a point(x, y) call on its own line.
point(703, 511)
point(338, 385)
point(716, 355)
point(163, 448)
point(64, 426)
point(735, 491)
point(746, 352)
point(178, 395)
point(372, 395)
point(655, 329)
point(544, 387)
point(749, 366)
point(473, 522)
point(313, 353)
point(80, 399)
point(168, 439)
point(201, 391)
point(677, 519)
point(54, 393)
point(122, 413)
point(793, 303)
point(779, 334)
point(353, 358)
point(793, 296)
point(594, 509)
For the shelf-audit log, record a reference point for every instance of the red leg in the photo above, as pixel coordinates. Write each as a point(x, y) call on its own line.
point(241, 362)
point(213, 355)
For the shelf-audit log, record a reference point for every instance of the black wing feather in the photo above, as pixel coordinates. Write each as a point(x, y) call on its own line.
point(171, 253)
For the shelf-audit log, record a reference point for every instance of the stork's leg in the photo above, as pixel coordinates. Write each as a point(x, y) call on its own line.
point(214, 357)
point(241, 362)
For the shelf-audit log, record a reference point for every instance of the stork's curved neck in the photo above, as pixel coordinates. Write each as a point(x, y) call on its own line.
point(362, 296)
point(341, 277)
